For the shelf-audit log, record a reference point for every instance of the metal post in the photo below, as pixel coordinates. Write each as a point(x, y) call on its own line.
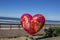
point(10, 27)
point(0, 26)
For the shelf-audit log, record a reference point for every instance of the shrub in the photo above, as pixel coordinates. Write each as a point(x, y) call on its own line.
point(52, 31)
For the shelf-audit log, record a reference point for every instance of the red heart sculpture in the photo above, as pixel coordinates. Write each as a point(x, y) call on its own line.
point(32, 24)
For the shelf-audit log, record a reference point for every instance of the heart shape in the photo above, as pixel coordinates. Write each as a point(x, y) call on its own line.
point(32, 24)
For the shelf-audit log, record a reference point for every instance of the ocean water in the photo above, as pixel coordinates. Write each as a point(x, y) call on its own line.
point(17, 20)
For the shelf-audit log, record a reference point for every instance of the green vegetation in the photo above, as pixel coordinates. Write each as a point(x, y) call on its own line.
point(52, 32)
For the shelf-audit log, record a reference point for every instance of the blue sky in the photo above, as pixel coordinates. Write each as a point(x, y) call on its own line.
point(15, 8)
